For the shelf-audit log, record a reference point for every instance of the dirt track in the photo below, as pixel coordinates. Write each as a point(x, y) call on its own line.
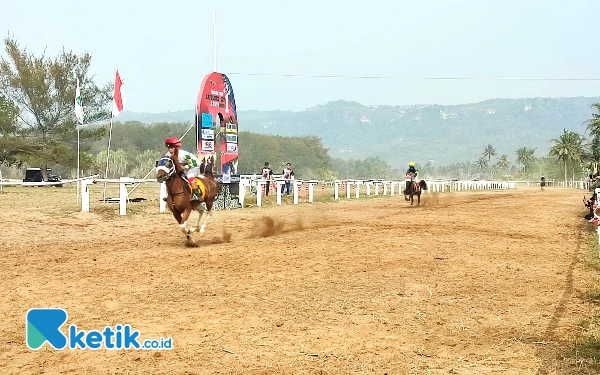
point(469, 283)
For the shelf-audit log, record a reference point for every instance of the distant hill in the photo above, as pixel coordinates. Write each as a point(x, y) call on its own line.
point(445, 134)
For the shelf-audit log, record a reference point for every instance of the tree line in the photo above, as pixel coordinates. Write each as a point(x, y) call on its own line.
point(38, 129)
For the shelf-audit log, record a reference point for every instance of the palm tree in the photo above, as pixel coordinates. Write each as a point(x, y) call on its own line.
point(593, 127)
point(503, 163)
point(489, 151)
point(481, 163)
point(568, 148)
point(525, 157)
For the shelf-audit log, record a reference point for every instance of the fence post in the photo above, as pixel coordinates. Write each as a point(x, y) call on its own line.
point(259, 192)
point(162, 204)
point(123, 194)
point(297, 185)
point(336, 190)
point(278, 186)
point(85, 195)
point(242, 192)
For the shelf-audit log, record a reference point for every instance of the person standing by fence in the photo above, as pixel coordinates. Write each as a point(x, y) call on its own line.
point(288, 176)
point(267, 175)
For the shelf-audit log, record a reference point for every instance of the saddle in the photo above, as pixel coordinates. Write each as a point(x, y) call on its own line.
point(201, 187)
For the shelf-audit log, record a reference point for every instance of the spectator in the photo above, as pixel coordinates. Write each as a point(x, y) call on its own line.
point(267, 174)
point(288, 176)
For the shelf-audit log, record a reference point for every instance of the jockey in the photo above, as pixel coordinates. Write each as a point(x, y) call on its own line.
point(188, 160)
point(412, 170)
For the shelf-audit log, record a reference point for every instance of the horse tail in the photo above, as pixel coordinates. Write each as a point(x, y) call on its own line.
point(423, 185)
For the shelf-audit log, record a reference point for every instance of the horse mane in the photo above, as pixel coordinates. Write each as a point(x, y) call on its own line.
point(208, 170)
point(175, 159)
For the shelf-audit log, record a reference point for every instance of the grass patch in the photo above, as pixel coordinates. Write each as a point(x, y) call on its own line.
point(586, 349)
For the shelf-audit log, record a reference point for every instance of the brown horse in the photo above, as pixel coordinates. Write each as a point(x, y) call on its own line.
point(413, 188)
point(179, 192)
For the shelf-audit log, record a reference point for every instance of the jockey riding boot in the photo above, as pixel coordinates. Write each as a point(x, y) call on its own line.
point(195, 195)
point(195, 191)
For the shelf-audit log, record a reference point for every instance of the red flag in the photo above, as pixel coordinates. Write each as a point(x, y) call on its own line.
point(118, 96)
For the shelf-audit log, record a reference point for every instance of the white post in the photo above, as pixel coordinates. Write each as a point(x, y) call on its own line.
point(1, 181)
point(384, 189)
point(310, 191)
point(123, 194)
point(348, 189)
point(357, 189)
point(259, 191)
point(162, 205)
point(78, 182)
point(392, 184)
point(336, 190)
point(85, 195)
point(242, 192)
point(368, 185)
point(297, 184)
point(377, 187)
point(597, 191)
point(278, 185)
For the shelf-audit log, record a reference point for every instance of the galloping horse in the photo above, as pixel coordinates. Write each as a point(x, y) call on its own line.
point(413, 188)
point(169, 170)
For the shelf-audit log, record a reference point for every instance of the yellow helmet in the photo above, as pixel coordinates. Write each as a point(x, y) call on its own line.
point(411, 164)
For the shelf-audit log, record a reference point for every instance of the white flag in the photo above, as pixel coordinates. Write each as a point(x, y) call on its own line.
point(78, 107)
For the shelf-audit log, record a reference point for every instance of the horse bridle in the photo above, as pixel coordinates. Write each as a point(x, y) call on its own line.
point(166, 165)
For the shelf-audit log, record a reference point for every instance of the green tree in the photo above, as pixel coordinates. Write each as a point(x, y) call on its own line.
point(503, 163)
point(489, 151)
point(12, 148)
point(482, 164)
point(117, 163)
point(525, 157)
point(43, 90)
point(593, 127)
point(568, 148)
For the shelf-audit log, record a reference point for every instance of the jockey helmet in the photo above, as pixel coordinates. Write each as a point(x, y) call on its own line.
point(411, 164)
point(172, 142)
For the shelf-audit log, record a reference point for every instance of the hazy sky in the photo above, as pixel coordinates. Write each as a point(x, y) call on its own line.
point(163, 49)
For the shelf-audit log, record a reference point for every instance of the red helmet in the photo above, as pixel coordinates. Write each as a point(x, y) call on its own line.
point(172, 142)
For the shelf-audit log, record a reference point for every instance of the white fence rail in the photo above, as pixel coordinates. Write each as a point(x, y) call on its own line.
point(253, 184)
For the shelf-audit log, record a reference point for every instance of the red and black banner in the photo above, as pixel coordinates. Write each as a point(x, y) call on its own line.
point(217, 125)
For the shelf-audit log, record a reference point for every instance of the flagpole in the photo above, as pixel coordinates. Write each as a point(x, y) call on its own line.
point(214, 41)
point(78, 182)
point(108, 155)
point(78, 123)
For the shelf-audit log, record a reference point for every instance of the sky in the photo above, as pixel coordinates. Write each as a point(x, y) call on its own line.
point(163, 49)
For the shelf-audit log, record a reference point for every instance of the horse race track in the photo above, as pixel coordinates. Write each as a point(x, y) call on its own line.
point(486, 282)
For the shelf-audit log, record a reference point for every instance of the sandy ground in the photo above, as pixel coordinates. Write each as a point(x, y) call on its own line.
point(468, 283)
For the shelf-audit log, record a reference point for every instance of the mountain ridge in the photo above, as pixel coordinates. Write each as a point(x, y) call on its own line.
point(447, 133)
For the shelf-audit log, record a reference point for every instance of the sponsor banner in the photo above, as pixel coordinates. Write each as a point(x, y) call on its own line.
point(208, 145)
point(208, 134)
